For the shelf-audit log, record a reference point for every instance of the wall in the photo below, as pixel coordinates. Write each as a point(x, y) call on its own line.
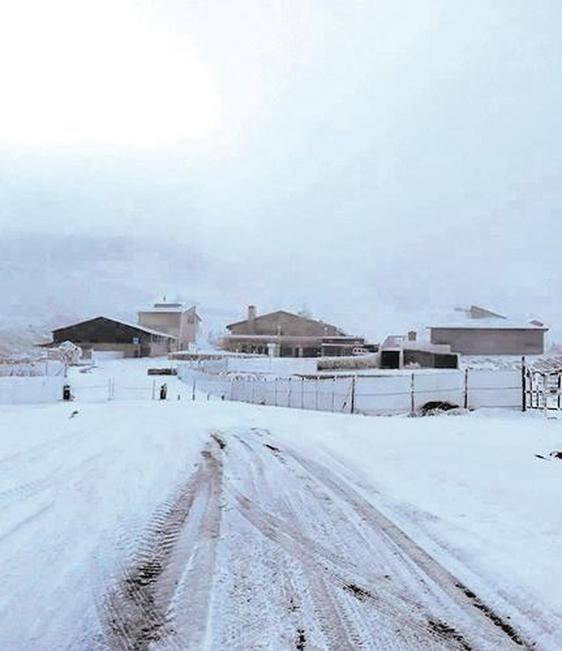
point(490, 341)
point(125, 350)
point(29, 390)
point(168, 322)
point(280, 366)
point(173, 323)
point(159, 349)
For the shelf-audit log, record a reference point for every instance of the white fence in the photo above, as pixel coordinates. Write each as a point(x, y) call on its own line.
point(28, 390)
point(279, 366)
point(366, 394)
point(49, 368)
point(124, 389)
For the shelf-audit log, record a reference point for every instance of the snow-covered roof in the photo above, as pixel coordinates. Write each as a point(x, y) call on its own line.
point(479, 318)
point(170, 308)
point(487, 324)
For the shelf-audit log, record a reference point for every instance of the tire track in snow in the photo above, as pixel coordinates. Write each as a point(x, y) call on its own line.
point(343, 622)
point(262, 547)
point(430, 580)
point(141, 609)
point(445, 579)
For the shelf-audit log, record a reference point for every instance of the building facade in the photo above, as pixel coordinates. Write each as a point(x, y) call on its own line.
point(284, 334)
point(404, 351)
point(479, 331)
point(174, 319)
point(103, 334)
point(479, 340)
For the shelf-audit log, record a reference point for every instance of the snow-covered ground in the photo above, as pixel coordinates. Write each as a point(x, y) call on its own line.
point(139, 524)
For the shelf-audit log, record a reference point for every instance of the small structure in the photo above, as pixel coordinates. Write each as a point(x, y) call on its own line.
point(404, 351)
point(106, 335)
point(478, 331)
point(173, 319)
point(284, 334)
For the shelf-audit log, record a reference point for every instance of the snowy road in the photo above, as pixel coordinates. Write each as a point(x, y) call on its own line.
point(262, 548)
point(211, 525)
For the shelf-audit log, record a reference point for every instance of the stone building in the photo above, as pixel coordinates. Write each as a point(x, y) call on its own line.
point(284, 334)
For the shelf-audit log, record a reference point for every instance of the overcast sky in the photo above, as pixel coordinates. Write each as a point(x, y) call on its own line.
point(361, 154)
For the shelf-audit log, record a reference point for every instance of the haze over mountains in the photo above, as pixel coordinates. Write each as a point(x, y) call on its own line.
point(50, 280)
point(373, 162)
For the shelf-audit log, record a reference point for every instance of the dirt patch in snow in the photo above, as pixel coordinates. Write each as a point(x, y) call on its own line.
point(492, 616)
point(448, 632)
point(358, 592)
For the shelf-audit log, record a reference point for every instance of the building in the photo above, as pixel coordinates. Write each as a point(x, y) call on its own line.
point(283, 334)
point(174, 319)
point(404, 351)
point(105, 335)
point(478, 331)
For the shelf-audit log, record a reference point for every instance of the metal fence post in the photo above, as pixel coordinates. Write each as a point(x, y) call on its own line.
point(290, 392)
point(412, 395)
point(193, 389)
point(466, 389)
point(352, 406)
point(523, 385)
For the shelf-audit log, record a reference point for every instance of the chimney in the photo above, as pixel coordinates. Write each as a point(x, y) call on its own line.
point(412, 335)
point(251, 312)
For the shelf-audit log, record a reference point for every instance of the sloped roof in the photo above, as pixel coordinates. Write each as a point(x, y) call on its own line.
point(278, 312)
point(136, 326)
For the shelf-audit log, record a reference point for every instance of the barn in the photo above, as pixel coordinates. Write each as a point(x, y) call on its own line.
point(105, 335)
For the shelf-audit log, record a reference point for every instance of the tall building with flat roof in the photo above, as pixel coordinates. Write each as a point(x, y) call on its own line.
point(175, 319)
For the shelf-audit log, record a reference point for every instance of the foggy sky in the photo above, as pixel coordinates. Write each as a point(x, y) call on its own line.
point(369, 157)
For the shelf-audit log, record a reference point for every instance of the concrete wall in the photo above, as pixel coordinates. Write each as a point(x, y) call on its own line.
point(172, 323)
point(490, 341)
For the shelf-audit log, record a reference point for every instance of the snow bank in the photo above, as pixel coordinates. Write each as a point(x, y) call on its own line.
point(19, 390)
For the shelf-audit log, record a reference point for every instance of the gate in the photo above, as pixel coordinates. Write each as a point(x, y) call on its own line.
point(543, 390)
